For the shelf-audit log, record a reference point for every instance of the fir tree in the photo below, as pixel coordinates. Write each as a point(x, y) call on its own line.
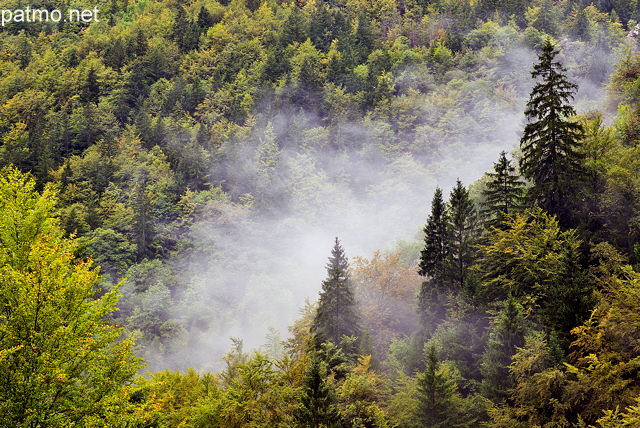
point(433, 259)
point(550, 155)
point(336, 317)
point(503, 195)
point(205, 20)
point(507, 336)
point(438, 399)
point(463, 236)
point(317, 401)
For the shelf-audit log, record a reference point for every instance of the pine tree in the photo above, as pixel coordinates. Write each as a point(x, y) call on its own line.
point(205, 20)
point(336, 316)
point(506, 337)
point(317, 406)
point(434, 253)
point(550, 155)
point(438, 399)
point(503, 195)
point(433, 259)
point(463, 236)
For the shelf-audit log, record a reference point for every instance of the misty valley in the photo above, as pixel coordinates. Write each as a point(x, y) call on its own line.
point(320, 213)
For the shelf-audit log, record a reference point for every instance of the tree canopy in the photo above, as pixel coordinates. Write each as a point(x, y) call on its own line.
point(62, 364)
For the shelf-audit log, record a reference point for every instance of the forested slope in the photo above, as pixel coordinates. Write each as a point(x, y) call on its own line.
point(207, 153)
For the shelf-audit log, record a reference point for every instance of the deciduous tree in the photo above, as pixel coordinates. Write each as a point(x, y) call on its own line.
point(61, 363)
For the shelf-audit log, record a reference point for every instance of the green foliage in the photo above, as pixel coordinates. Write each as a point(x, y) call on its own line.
point(433, 259)
point(317, 404)
point(173, 129)
point(62, 363)
point(503, 194)
point(438, 399)
point(536, 262)
point(336, 316)
point(463, 231)
point(550, 143)
point(508, 334)
point(362, 397)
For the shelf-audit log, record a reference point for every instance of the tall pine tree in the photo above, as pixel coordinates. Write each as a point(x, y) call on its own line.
point(336, 316)
point(550, 155)
point(433, 258)
point(438, 398)
point(503, 195)
point(463, 232)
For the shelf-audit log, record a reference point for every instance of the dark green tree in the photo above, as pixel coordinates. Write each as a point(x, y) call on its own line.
point(433, 259)
point(143, 227)
point(336, 317)
point(503, 194)
point(550, 143)
point(205, 20)
point(463, 236)
point(294, 28)
point(438, 398)
point(185, 32)
point(320, 27)
point(317, 402)
point(363, 38)
point(90, 90)
point(507, 335)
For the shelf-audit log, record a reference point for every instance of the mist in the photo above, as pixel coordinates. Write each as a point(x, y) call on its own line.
point(294, 188)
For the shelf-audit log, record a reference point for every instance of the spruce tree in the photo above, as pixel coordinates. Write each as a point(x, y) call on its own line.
point(463, 236)
point(550, 155)
point(438, 398)
point(503, 195)
point(507, 335)
point(336, 316)
point(317, 401)
point(433, 259)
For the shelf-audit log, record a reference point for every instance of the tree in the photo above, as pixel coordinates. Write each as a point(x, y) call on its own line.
point(385, 289)
point(433, 259)
point(507, 335)
point(336, 317)
point(362, 396)
point(463, 236)
point(317, 406)
point(539, 264)
point(438, 397)
point(503, 194)
point(551, 159)
point(61, 364)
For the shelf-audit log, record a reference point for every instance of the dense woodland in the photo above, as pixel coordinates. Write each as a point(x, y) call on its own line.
point(157, 163)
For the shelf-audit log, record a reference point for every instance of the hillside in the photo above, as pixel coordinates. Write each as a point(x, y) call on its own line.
point(206, 154)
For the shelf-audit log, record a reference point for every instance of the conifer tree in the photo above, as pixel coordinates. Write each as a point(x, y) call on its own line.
point(503, 195)
point(463, 236)
point(205, 20)
point(433, 259)
point(438, 399)
point(506, 337)
point(550, 154)
point(317, 401)
point(336, 316)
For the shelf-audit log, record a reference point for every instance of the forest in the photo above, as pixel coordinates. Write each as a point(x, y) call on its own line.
point(321, 213)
